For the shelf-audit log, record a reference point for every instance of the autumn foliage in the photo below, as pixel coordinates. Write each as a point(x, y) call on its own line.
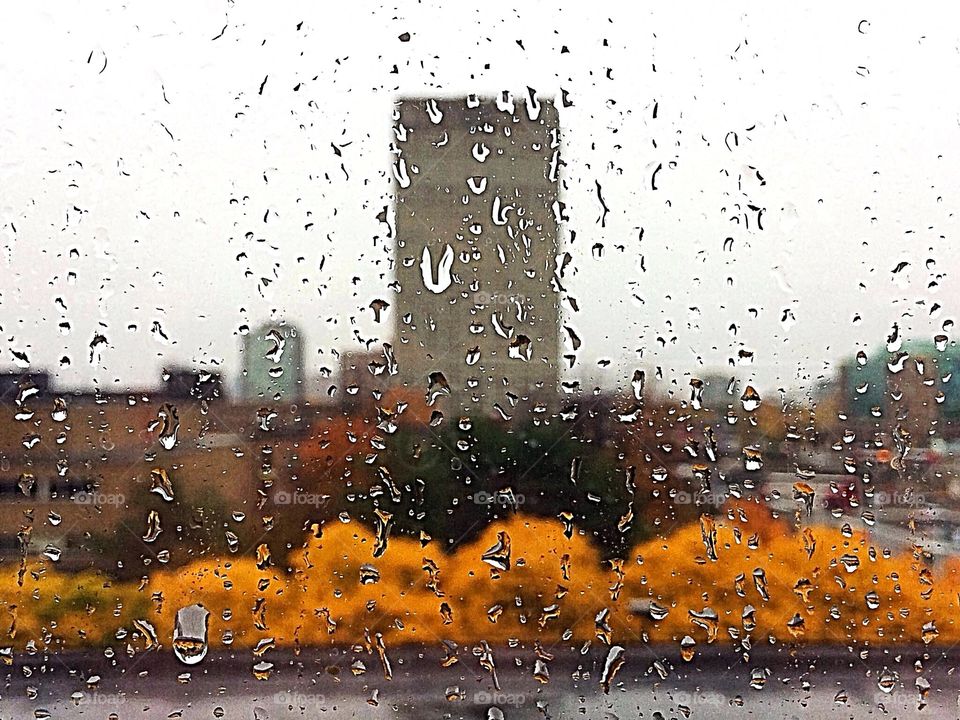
point(769, 580)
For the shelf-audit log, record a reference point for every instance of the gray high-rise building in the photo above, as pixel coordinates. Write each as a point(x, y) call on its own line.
point(477, 240)
point(273, 367)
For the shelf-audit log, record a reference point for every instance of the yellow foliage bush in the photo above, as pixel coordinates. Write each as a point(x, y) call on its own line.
point(59, 610)
point(884, 600)
point(553, 583)
point(820, 586)
point(326, 583)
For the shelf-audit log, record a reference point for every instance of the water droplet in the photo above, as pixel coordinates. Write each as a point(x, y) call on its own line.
point(378, 306)
point(760, 582)
point(498, 556)
point(752, 459)
point(749, 618)
point(384, 523)
point(850, 562)
point(169, 423)
point(161, 484)
point(888, 680)
point(59, 413)
point(615, 660)
point(521, 348)
point(444, 278)
point(758, 678)
point(796, 626)
point(264, 558)
point(190, 634)
point(804, 493)
point(437, 387)
point(750, 399)
point(707, 619)
point(696, 393)
point(52, 552)
point(708, 532)
point(369, 574)
point(153, 527)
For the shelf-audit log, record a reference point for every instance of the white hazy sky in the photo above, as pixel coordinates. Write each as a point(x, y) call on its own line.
point(138, 152)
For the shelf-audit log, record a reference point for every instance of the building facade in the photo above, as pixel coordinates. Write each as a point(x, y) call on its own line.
point(273, 365)
point(477, 315)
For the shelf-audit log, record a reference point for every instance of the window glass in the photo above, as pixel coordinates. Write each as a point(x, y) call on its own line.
point(477, 361)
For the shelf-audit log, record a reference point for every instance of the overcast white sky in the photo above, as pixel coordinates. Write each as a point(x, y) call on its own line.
point(126, 133)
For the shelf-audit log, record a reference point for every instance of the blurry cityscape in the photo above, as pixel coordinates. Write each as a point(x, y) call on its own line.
point(463, 416)
point(626, 387)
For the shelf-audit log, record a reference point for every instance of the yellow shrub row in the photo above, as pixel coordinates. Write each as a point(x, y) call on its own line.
point(814, 586)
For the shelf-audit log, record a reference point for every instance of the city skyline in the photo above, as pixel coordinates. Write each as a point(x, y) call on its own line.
point(427, 358)
point(279, 217)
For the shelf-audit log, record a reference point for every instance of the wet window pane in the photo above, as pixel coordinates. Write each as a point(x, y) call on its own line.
point(478, 362)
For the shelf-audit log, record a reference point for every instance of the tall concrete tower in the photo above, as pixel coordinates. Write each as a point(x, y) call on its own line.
point(477, 313)
point(273, 366)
